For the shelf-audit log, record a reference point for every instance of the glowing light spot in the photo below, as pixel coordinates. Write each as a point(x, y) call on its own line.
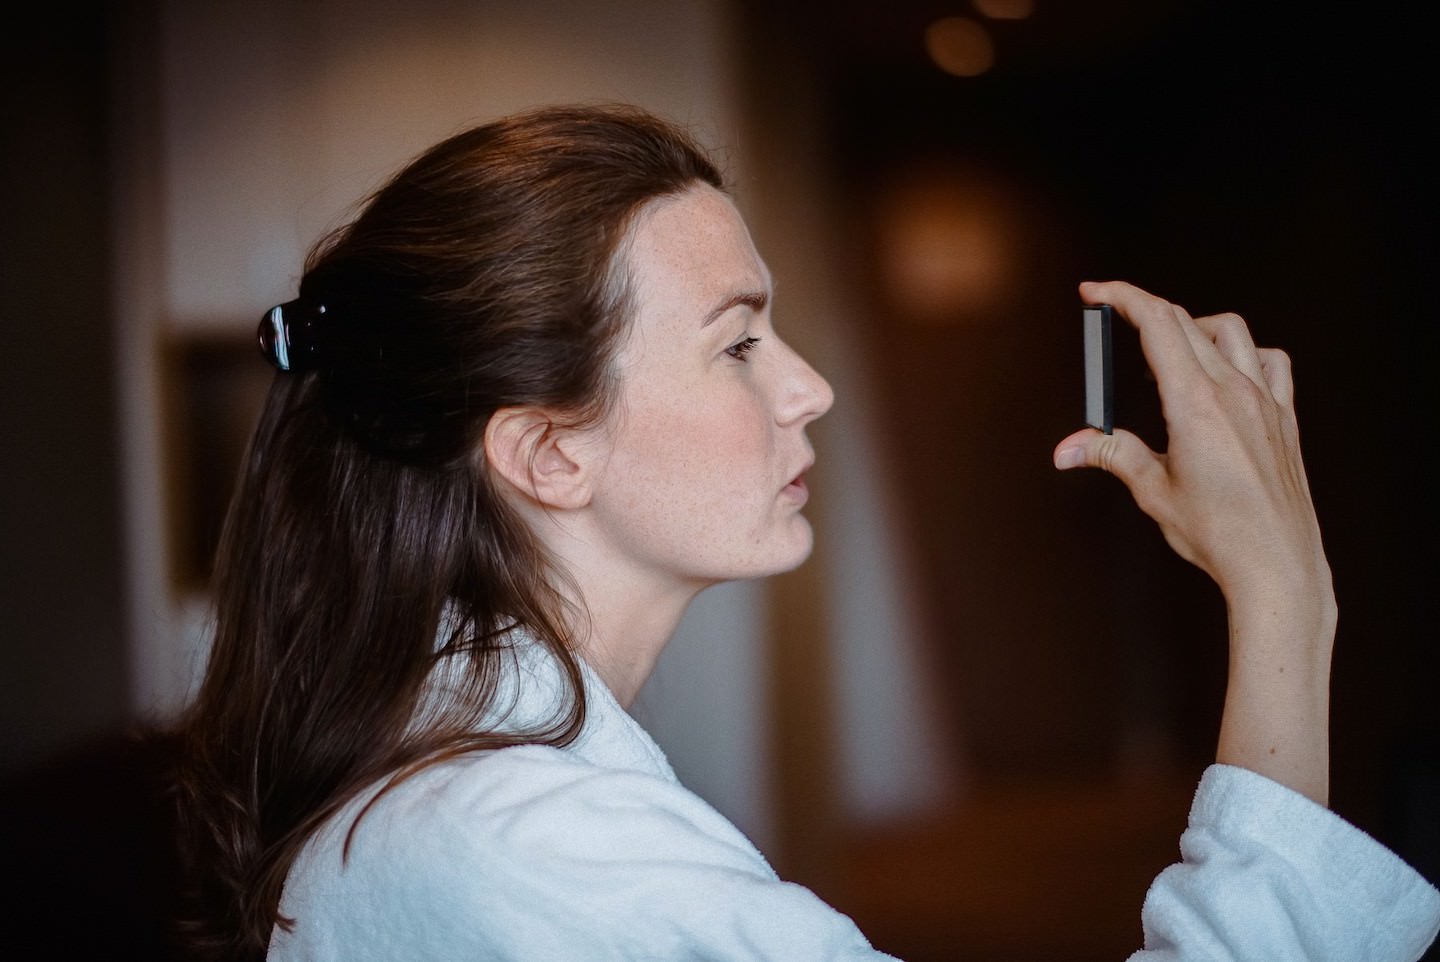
point(948, 245)
point(960, 46)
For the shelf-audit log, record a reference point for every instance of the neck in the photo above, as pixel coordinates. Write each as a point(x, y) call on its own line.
point(626, 613)
point(627, 631)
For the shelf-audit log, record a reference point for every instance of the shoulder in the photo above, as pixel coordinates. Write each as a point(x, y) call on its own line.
point(543, 802)
point(487, 835)
point(532, 852)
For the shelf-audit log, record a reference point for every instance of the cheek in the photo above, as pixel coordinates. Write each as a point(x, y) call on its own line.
point(707, 450)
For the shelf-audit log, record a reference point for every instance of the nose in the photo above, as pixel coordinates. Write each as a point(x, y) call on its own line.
point(805, 394)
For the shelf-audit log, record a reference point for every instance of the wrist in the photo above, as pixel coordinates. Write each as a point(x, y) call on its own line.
point(1290, 603)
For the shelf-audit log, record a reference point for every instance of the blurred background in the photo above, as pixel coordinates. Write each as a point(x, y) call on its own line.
point(974, 721)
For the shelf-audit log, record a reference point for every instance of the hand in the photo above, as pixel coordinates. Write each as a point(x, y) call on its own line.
point(1231, 496)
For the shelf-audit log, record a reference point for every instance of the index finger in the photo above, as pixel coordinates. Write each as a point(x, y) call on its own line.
point(1167, 332)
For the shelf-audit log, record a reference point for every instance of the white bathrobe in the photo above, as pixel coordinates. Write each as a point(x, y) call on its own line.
point(596, 852)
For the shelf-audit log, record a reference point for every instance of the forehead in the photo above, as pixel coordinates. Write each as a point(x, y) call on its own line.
point(692, 251)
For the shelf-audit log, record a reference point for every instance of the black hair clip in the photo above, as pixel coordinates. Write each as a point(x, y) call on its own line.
point(289, 334)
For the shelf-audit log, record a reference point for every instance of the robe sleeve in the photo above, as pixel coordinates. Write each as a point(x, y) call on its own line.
point(1267, 874)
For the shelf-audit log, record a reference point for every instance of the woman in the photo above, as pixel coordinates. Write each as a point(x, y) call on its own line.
point(531, 403)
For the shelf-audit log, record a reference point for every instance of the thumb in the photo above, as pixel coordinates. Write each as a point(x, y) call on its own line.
point(1122, 454)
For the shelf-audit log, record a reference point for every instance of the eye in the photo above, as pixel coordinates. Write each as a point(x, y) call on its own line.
point(739, 349)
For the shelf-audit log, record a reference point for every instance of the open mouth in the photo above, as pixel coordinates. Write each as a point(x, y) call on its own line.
point(797, 488)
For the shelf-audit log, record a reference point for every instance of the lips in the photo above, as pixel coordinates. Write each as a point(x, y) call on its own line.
point(797, 487)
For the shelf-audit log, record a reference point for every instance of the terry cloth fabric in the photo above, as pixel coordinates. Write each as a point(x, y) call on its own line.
point(591, 852)
point(596, 852)
point(1267, 874)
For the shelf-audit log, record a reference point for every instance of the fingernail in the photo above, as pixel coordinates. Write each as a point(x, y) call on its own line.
point(1070, 458)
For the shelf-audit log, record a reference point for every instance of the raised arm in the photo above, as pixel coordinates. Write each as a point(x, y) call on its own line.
point(1230, 495)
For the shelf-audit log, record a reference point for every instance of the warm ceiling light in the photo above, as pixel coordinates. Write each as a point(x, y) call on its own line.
point(959, 46)
point(1005, 9)
point(947, 244)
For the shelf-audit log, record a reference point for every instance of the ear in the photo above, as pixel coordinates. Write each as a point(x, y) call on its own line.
point(537, 458)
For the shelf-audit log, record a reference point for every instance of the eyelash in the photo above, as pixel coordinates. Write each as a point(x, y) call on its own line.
point(741, 348)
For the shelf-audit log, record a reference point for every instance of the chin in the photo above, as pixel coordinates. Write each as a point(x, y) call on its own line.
point(796, 556)
point(777, 558)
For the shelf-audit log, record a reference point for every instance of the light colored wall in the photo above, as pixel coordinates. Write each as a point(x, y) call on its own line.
point(280, 116)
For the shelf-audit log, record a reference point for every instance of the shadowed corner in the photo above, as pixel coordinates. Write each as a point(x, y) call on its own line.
point(92, 833)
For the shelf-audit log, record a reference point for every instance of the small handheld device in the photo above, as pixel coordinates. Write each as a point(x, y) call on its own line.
point(1099, 374)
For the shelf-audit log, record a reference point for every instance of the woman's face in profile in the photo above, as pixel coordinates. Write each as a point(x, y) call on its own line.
point(702, 476)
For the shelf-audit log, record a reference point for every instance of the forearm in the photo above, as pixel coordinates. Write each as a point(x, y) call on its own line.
point(1277, 702)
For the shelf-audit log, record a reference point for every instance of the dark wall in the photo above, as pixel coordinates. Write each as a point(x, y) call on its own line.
point(62, 617)
point(85, 836)
point(1268, 159)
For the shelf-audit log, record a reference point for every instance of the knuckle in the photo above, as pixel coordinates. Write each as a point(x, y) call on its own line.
point(1226, 328)
point(1247, 396)
point(1202, 394)
point(1106, 454)
point(1275, 357)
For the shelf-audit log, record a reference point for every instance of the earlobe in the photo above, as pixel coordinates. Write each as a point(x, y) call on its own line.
point(532, 454)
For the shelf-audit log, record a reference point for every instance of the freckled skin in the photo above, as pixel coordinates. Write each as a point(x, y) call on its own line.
point(693, 478)
point(695, 485)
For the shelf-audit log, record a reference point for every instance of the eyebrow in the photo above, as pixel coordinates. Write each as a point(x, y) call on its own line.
point(755, 300)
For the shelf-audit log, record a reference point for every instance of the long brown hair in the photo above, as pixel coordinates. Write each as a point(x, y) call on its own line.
point(365, 539)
